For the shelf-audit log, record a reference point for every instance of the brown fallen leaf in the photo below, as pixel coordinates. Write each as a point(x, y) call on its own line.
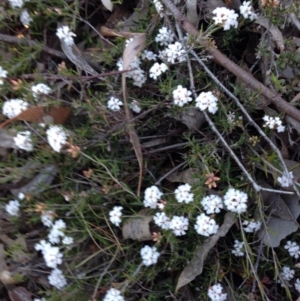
point(38, 114)
point(19, 294)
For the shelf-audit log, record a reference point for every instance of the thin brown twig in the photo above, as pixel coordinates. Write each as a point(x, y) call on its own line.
point(224, 61)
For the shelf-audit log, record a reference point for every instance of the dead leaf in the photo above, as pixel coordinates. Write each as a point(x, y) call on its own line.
point(186, 176)
point(195, 266)
point(137, 228)
point(192, 118)
point(108, 32)
point(6, 140)
point(37, 115)
point(130, 52)
point(107, 4)
point(19, 294)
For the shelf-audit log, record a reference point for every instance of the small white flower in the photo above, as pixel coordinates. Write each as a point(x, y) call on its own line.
point(205, 225)
point(212, 204)
point(139, 77)
point(42, 246)
point(23, 141)
point(66, 35)
point(297, 285)
point(174, 53)
point(56, 137)
point(113, 295)
point(251, 226)
point(236, 200)
point(215, 293)
point(56, 231)
point(149, 56)
point(293, 249)
point(115, 215)
point(285, 276)
point(149, 255)
point(3, 74)
point(181, 96)
point(157, 69)
point(238, 248)
point(152, 196)
point(207, 100)
point(67, 240)
point(182, 194)
point(246, 11)
point(13, 208)
point(25, 18)
point(286, 180)
point(164, 37)
point(273, 123)
point(42, 299)
point(225, 17)
point(159, 7)
point(114, 104)
point(16, 3)
point(57, 279)
point(162, 220)
point(179, 225)
point(52, 257)
point(40, 89)
point(47, 218)
point(14, 107)
point(134, 106)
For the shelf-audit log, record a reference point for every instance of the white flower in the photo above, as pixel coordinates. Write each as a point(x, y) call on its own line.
point(67, 240)
point(47, 218)
point(43, 299)
point(57, 279)
point(56, 137)
point(12, 208)
point(40, 89)
point(162, 220)
point(286, 180)
point(174, 53)
point(134, 106)
point(231, 117)
point(3, 74)
point(149, 55)
point(205, 225)
point(159, 7)
point(236, 200)
point(212, 204)
point(115, 215)
point(225, 17)
point(113, 295)
point(114, 104)
point(23, 141)
point(149, 255)
point(56, 231)
point(157, 69)
point(273, 123)
point(14, 107)
point(152, 196)
point(238, 247)
point(43, 246)
point(285, 276)
point(179, 225)
point(293, 249)
point(297, 285)
point(66, 35)
point(16, 3)
point(247, 12)
point(139, 77)
point(25, 18)
point(215, 293)
point(181, 96)
point(251, 226)
point(182, 194)
point(52, 257)
point(207, 100)
point(164, 37)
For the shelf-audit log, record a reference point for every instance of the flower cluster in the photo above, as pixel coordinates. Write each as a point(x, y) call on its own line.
point(157, 69)
point(207, 100)
point(13, 207)
point(40, 89)
point(273, 123)
point(57, 279)
point(293, 249)
point(134, 106)
point(174, 53)
point(114, 104)
point(3, 74)
point(181, 96)
point(162, 220)
point(51, 254)
point(57, 137)
point(149, 55)
point(212, 204)
point(159, 7)
point(236, 200)
point(225, 17)
point(286, 180)
point(152, 196)
point(25, 18)
point(115, 215)
point(285, 276)
point(113, 295)
point(251, 226)
point(215, 293)
point(17, 3)
point(238, 248)
point(23, 141)
point(66, 35)
point(164, 37)
point(183, 194)
point(205, 225)
point(246, 11)
point(14, 107)
point(179, 225)
point(47, 218)
point(149, 255)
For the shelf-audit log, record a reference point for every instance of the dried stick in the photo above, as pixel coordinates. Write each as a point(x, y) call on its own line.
point(221, 59)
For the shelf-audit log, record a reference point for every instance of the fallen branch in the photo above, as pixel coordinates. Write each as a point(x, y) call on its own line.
point(224, 61)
